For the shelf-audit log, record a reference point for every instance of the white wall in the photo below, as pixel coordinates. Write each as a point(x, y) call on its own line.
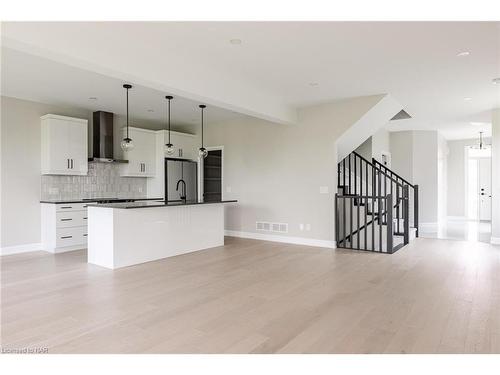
point(442, 186)
point(381, 144)
point(415, 158)
point(275, 171)
point(401, 145)
point(20, 168)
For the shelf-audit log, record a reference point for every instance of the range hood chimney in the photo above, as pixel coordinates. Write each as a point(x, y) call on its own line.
point(102, 138)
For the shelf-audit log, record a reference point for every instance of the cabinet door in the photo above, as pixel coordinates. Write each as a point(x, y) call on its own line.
point(78, 148)
point(58, 147)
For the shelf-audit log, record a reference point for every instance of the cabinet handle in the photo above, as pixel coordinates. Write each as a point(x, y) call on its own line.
point(67, 207)
point(71, 163)
point(66, 219)
point(64, 237)
point(68, 162)
point(85, 235)
point(144, 167)
point(84, 218)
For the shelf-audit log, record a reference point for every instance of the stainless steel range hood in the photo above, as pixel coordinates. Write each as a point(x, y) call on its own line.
point(102, 138)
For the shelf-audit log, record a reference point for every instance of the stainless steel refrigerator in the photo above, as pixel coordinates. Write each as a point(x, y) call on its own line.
point(180, 180)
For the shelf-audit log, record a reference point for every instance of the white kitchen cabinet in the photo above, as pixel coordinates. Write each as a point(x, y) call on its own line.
point(185, 147)
point(64, 145)
point(64, 226)
point(142, 158)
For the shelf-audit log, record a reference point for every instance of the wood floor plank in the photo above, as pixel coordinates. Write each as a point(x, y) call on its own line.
point(433, 296)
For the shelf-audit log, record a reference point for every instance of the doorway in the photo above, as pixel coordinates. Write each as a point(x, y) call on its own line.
point(478, 184)
point(213, 174)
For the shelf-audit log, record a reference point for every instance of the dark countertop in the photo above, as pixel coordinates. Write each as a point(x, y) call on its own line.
point(157, 203)
point(91, 200)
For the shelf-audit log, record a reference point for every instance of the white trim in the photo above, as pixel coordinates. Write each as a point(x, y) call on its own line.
point(285, 239)
point(221, 148)
point(18, 249)
point(459, 218)
point(495, 240)
point(173, 132)
point(66, 118)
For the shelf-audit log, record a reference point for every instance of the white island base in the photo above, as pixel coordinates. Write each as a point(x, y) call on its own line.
point(119, 237)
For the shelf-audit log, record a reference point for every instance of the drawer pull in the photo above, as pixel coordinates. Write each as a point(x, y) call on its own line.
point(84, 218)
point(67, 207)
point(65, 237)
point(66, 219)
point(85, 235)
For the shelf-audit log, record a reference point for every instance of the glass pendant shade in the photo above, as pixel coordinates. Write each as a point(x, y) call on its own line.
point(127, 144)
point(203, 152)
point(169, 149)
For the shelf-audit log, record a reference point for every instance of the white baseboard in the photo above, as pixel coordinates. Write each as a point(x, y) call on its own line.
point(285, 239)
point(9, 250)
point(460, 218)
point(495, 240)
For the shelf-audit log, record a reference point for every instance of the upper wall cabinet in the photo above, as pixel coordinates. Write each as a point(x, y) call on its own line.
point(64, 145)
point(141, 159)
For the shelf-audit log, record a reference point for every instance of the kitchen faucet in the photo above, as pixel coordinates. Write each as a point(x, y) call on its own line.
point(183, 191)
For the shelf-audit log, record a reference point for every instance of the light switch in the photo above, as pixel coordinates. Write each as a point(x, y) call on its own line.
point(323, 189)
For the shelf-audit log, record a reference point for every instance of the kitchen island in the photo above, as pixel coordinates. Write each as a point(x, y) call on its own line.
point(125, 234)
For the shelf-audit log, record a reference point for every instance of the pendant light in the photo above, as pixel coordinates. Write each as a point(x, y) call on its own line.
point(127, 144)
point(480, 145)
point(169, 147)
point(203, 151)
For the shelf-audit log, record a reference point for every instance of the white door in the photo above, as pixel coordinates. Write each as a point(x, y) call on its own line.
point(484, 189)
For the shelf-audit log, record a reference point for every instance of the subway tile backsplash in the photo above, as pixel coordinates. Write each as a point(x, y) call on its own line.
point(102, 181)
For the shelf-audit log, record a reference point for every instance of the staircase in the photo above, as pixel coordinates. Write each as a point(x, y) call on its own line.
point(375, 208)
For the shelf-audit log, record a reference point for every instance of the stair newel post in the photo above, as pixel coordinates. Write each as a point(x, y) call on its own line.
point(406, 215)
point(390, 231)
point(415, 208)
point(336, 208)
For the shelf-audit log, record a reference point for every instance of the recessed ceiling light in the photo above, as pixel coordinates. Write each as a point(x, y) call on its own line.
point(92, 98)
point(235, 41)
point(496, 81)
point(464, 53)
point(313, 84)
point(467, 99)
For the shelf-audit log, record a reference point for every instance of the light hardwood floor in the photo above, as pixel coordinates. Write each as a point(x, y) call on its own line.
point(434, 296)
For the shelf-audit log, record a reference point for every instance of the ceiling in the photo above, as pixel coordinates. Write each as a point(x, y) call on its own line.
point(42, 80)
point(281, 66)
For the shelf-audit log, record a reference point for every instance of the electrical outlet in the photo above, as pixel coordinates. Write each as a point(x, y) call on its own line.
point(308, 227)
point(301, 227)
point(140, 189)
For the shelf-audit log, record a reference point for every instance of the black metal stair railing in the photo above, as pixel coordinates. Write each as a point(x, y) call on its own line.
point(372, 203)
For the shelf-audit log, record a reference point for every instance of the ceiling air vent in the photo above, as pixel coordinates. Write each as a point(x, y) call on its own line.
point(401, 115)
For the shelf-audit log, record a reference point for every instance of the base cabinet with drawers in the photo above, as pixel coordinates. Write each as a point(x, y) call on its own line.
point(64, 226)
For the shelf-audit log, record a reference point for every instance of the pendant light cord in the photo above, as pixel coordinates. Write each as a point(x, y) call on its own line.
point(127, 114)
point(169, 121)
point(202, 127)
